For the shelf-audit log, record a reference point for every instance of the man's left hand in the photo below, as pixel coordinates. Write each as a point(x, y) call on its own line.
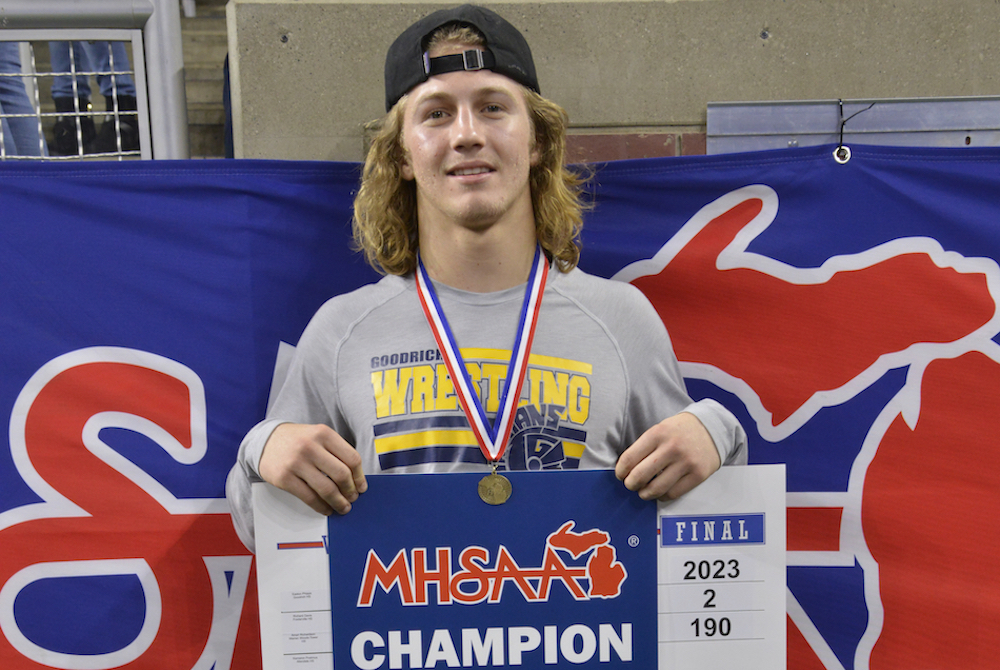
point(669, 459)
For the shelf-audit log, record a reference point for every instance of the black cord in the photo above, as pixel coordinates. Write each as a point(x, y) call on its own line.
point(843, 121)
point(842, 154)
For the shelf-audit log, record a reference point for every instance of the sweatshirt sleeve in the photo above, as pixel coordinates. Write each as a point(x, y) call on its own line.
point(306, 396)
point(727, 433)
point(241, 478)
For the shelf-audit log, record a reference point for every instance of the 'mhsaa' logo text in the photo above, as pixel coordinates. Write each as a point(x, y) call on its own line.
point(480, 577)
point(712, 529)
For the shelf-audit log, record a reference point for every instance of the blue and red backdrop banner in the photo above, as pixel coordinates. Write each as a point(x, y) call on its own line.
point(846, 313)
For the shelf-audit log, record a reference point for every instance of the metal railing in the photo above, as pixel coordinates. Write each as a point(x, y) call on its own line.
point(153, 126)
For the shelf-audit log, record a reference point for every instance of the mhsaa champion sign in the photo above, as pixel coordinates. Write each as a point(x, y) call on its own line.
point(429, 576)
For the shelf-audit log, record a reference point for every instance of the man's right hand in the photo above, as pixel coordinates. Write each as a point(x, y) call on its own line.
point(315, 464)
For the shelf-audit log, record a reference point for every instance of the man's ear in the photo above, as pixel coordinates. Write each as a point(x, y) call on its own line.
point(535, 153)
point(405, 169)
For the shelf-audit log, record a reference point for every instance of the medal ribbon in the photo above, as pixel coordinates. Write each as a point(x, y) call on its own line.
point(492, 439)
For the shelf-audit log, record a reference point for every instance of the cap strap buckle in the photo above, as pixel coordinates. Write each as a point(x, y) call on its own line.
point(473, 59)
point(469, 60)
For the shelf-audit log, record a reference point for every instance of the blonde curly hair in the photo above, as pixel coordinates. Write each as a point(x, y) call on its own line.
point(385, 208)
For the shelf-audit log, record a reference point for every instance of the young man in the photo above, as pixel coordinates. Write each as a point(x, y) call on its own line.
point(483, 347)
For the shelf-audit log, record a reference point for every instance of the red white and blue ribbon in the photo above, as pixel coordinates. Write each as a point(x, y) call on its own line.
point(492, 438)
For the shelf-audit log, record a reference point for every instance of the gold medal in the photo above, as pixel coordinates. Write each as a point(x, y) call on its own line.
point(494, 489)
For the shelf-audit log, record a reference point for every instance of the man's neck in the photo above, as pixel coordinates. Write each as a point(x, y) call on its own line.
point(480, 268)
point(479, 261)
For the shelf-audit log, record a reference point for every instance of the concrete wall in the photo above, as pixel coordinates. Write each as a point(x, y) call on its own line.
point(634, 76)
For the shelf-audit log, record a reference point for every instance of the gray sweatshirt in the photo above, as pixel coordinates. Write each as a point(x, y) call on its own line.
point(601, 372)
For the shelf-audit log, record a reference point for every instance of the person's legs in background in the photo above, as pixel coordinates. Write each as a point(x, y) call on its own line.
point(71, 95)
point(109, 59)
point(20, 133)
point(8, 148)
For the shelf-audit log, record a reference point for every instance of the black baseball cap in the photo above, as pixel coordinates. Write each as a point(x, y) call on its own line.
point(506, 52)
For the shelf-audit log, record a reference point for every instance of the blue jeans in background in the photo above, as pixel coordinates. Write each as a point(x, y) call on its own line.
point(20, 135)
point(90, 57)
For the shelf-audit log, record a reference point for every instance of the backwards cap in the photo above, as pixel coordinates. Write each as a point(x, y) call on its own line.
point(506, 52)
